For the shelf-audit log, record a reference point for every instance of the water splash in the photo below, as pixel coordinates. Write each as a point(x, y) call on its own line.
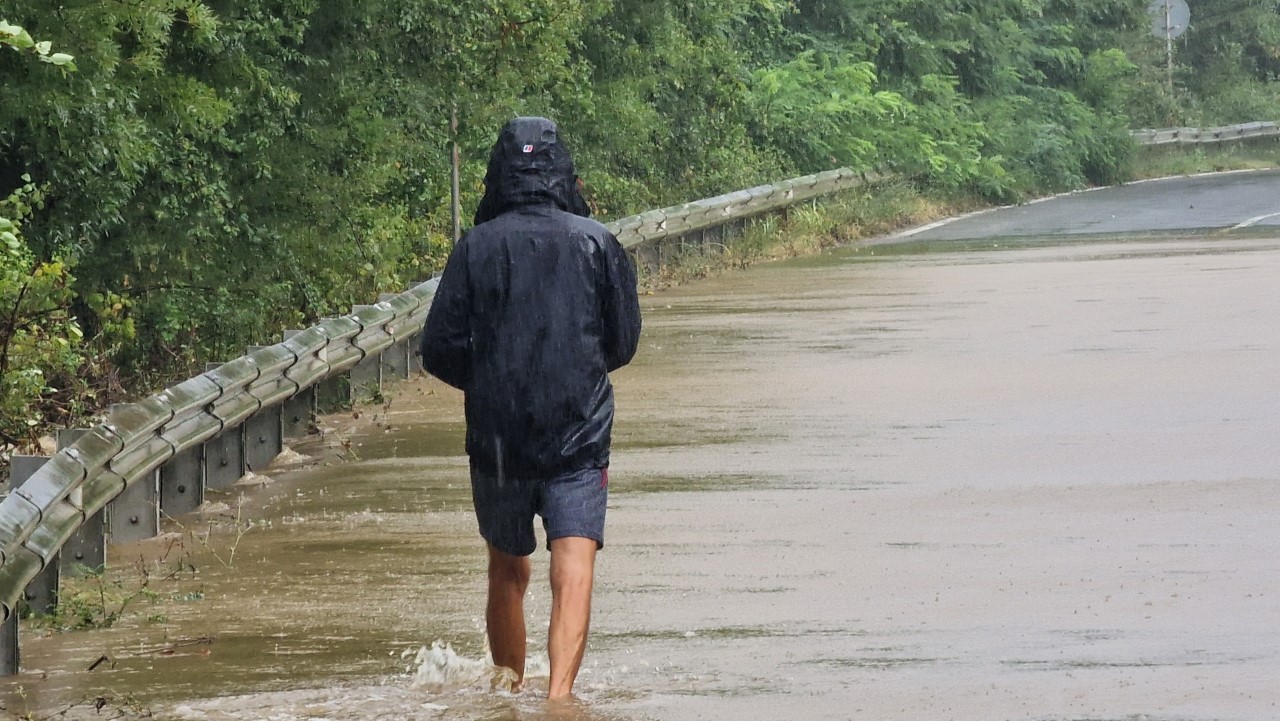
point(440, 666)
point(438, 683)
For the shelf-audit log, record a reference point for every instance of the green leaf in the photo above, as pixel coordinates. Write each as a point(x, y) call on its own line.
point(60, 59)
point(22, 40)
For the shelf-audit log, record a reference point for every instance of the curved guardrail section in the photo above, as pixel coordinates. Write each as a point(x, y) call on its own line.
point(1190, 136)
point(37, 518)
point(701, 215)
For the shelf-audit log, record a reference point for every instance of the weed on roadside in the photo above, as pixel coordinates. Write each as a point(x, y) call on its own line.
point(105, 706)
point(101, 598)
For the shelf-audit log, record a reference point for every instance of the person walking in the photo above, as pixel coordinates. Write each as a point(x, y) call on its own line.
point(537, 305)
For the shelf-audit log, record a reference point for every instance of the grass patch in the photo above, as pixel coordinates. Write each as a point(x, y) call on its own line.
point(163, 571)
point(101, 598)
point(1172, 160)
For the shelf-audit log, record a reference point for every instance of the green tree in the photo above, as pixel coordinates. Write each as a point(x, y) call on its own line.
point(1026, 110)
point(39, 340)
point(1229, 61)
point(665, 117)
point(216, 170)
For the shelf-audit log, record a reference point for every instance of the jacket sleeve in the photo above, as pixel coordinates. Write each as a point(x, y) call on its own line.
point(620, 305)
point(446, 338)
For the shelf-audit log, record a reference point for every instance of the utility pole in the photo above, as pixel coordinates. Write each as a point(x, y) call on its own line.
point(1169, 44)
point(1169, 18)
point(454, 179)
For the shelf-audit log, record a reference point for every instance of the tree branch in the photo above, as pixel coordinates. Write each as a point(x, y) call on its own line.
point(12, 330)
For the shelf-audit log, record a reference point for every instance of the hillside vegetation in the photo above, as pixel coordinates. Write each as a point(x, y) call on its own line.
point(180, 178)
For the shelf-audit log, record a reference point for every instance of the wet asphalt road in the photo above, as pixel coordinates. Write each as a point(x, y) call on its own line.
point(1208, 202)
point(934, 480)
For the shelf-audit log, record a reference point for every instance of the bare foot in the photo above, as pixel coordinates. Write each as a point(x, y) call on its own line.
point(506, 679)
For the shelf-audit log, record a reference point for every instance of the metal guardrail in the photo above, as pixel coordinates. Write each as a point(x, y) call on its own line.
point(1188, 136)
point(39, 516)
point(700, 215)
point(127, 451)
point(107, 462)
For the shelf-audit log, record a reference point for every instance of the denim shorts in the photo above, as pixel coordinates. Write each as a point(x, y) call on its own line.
point(570, 505)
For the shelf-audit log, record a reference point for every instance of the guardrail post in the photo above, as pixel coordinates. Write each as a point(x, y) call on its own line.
point(224, 458)
point(696, 241)
point(295, 414)
point(224, 454)
point(87, 547)
point(263, 438)
point(298, 410)
point(396, 359)
point(182, 482)
point(415, 345)
point(649, 257)
point(366, 377)
point(135, 514)
point(9, 646)
point(333, 394)
point(264, 434)
point(415, 355)
point(42, 592)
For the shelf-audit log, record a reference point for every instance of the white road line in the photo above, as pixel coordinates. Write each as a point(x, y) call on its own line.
point(931, 226)
point(900, 235)
point(947, 221)
point(1252, 221)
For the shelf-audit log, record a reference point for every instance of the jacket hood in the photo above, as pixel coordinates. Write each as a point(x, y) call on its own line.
point(529, 166)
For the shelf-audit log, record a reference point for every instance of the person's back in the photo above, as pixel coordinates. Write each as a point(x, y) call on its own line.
point(537, 304)
point(543, 337)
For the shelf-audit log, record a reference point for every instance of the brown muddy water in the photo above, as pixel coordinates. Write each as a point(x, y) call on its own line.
point(1036, 482)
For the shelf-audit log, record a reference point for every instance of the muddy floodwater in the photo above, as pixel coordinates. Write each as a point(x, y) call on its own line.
point(971, 481)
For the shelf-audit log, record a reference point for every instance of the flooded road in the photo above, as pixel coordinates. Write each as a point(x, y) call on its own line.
point(926, 481)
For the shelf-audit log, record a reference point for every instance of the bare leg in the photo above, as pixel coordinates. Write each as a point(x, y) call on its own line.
point(504, 616)
point(572, 569)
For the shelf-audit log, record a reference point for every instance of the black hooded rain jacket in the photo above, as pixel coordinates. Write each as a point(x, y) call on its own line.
point(536, 306)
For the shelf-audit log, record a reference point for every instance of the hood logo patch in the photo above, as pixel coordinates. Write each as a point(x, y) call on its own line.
point(528, 148)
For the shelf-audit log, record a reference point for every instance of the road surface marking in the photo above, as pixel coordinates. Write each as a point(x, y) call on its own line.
point(1253, 221)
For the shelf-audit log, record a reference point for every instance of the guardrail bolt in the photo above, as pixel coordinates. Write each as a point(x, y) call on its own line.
point(181, 482)
point(133, 520)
